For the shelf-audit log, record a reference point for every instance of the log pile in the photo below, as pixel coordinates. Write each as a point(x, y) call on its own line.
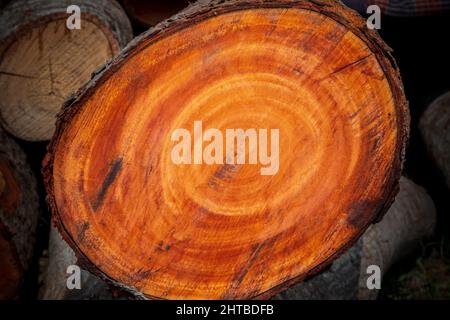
point(142, 221)
point(239, 149)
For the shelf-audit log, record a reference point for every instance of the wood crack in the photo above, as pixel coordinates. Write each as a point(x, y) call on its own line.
point(345, 67)
point(112, 174)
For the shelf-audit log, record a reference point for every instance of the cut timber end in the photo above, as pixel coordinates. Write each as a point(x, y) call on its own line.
point(162, 230)
point(42, 61)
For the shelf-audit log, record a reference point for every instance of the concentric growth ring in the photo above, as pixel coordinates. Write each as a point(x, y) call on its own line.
point(171, 230)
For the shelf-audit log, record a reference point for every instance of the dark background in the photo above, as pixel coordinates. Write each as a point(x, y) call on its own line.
point(422, 50)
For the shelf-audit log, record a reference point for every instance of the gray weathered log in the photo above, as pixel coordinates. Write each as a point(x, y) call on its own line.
point(435, 129)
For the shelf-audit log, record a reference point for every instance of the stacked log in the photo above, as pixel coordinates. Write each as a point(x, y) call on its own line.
point(228, 228)
point(42, 61)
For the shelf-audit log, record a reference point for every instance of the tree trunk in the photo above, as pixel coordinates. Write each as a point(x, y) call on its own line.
point(411, 218)
point(61, 256)
point(435, 130)
point(43, 61)
point(217, 226)
point(19, 212)
point(150, 13)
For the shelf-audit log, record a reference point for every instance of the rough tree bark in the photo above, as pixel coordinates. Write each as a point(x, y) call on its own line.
point(435, 129)
point(19, 212)
point(161, 230)
point(411, 218)
point(42, 61)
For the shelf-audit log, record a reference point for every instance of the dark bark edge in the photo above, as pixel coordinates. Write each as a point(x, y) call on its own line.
point(199, 12)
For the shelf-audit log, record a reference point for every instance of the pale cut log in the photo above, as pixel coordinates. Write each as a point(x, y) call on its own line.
point(19, 213)
point(411, 218)
point(42, 61)
point(60, 257)
point(435, 129)
point(161, 230)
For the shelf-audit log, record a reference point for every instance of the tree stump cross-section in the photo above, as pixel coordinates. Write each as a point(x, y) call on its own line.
point(189, 231)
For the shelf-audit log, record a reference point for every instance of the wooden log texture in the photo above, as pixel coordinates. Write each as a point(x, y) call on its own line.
point(19, 212)
point(42, 61)
point(161, 230)
point(150, 13)
point(435, 129)
point(411, 218)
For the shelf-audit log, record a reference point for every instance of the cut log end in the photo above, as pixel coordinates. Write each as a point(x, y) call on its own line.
point(225, 230)
point(43, 61)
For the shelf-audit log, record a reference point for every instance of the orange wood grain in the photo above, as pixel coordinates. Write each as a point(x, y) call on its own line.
point(168, 231)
